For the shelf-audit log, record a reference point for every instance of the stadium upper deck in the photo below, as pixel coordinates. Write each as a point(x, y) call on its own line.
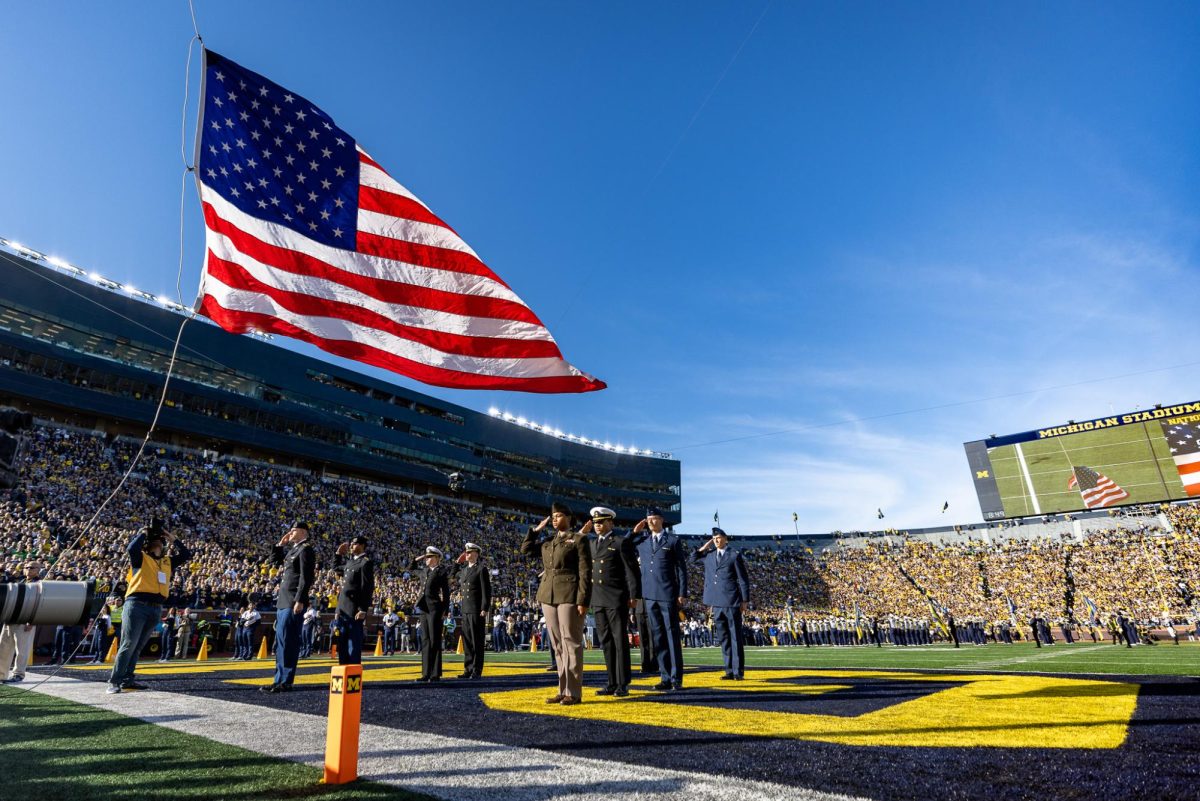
point(78, 350)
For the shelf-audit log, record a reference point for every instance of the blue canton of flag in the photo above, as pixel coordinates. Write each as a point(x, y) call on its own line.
point(276, 156)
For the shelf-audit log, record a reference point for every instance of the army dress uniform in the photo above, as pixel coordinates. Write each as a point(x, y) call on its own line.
point(566, 585)
point(296, 576)
point(354, 597)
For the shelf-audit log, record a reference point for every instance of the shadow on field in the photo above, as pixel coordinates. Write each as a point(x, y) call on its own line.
point(51, 750)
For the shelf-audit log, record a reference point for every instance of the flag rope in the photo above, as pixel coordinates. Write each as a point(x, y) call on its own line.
point(162, 398)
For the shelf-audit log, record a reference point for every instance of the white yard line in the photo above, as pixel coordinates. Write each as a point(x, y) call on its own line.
point(1037, 509)
point(1048, 652)
point(446, 767)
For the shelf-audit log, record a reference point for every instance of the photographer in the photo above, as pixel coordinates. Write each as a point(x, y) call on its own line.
point(16, 639)
point(148, 583)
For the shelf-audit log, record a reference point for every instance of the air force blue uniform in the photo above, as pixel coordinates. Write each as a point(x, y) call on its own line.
point(726, 588)
point(664, 582)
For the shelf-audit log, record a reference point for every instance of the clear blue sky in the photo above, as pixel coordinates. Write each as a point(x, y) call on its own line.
point(872, 208)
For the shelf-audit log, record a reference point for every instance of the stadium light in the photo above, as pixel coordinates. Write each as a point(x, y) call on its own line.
point(550, 430)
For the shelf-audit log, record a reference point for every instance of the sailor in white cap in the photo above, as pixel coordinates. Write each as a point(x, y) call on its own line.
point(616, 585)
point(433, 603)
point(476, 589)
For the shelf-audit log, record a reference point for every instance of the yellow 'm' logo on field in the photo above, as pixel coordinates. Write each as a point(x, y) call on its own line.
point(981, 474)
point(982, 710)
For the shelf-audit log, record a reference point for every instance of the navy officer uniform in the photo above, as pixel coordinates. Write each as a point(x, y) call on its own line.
point(476, 589)
point(616, 583)
point(664, 588)
point(727, 591)
point(433, 604)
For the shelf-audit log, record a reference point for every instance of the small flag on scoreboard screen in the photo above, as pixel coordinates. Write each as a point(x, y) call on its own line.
point(310, 238)
point(1096, 489)
point(1184, 441)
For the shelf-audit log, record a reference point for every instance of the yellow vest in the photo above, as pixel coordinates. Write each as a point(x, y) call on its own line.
point(145, 580)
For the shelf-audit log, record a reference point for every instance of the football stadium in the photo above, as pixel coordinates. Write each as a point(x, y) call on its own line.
point(242, 557)
point(1035, 650)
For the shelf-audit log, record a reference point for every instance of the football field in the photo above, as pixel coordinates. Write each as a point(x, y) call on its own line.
point(998, 722)
point(1033, 477)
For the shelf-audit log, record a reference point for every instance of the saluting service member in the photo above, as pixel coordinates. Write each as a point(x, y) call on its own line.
point(476, 589)
point(616, 583)
point(148, 582)
point(299, 562)
point(354, 599)
point(564, 593)
point(664, 591)
point(727, 591)
point(433, 603)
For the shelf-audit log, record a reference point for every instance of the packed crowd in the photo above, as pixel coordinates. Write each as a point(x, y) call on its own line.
point(230, 512)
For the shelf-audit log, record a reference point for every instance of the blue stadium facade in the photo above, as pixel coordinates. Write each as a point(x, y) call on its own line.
point(76, 351)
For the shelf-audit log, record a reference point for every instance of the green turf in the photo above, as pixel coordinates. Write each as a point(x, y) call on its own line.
point(1148, 660)
point(51, 748)
point(1136, 457)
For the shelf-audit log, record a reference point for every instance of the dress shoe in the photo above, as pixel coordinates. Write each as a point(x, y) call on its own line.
point(466, 675)
point(568, 700)
point(662, 685)
point(552, 669)
point(435, 678)
point(606, 691)
point(739, 678)
point(728, 677)
point(621, 692)
point(134, 685)
point(557, 699)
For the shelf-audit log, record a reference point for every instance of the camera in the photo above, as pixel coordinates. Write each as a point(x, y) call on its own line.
point(62, 603)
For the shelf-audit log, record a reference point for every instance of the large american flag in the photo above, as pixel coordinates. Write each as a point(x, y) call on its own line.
point(310, 238)
point(1184, 441)
point(1096, 489)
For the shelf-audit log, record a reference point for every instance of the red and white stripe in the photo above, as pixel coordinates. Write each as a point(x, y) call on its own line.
point(1105, 492)
point(412, 296)
point(1189, 472)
